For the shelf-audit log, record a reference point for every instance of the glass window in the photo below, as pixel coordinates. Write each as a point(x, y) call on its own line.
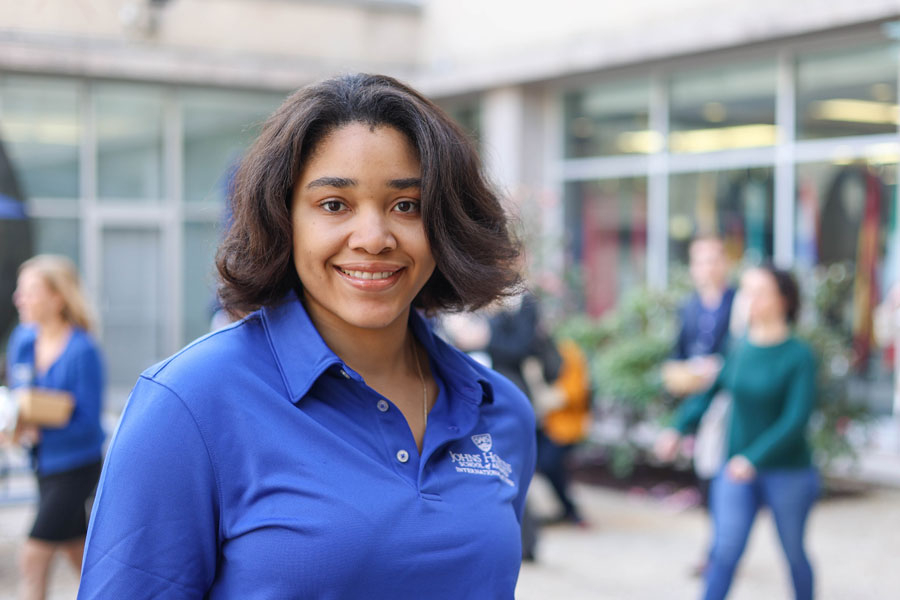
point(607, 220)
point(218, 127)
point(723, 109)
point(846, 222)
point(609, 119)
point(56, 236)
point(853, 92)
point(129, 142)
point(41, 130)
point(200, 241)
point(735, 205)
point(132, 301)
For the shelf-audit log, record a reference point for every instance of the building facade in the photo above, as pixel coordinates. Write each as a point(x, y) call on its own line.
point(623, 131)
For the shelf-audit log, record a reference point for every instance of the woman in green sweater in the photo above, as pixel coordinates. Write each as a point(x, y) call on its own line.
point(771, 375)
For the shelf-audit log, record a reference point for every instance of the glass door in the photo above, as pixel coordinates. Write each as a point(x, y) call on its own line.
point(132, 293)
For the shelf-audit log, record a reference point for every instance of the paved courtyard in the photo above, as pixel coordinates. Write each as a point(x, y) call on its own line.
point(643, 548)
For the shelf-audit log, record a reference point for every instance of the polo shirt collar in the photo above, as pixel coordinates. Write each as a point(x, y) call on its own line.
point(454, 369)
point(303, 356)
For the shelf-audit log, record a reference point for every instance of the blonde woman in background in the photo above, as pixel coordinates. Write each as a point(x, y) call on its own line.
point(53, 349)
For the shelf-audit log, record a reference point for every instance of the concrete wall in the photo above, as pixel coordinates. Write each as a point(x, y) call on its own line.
point(472, 44)
point(267, 43)
point(447, 47)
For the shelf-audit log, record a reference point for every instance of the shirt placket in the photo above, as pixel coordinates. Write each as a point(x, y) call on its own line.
point(400, 451)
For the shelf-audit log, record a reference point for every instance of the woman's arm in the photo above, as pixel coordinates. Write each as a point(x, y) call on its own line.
point(688, 415)
point(154, 527)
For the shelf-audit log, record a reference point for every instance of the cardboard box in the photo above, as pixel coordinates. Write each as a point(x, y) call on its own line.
point(47, 408)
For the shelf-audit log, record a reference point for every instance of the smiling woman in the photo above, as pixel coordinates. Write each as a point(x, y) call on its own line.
point(463, 219)
point(276, 457)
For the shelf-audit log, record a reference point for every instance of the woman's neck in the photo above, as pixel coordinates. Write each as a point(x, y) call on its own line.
point(373, 353)
point(768, 333)
point(53, 329)
point(52, 339)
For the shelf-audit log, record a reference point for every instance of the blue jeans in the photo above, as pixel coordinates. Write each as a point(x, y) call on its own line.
point(789, 494)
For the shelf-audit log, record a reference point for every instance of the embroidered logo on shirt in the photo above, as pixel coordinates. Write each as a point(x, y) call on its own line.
point(483, 463)
point(483, 441)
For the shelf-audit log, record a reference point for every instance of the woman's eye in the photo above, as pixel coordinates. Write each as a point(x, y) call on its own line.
point(332, 206)
point(407, 206)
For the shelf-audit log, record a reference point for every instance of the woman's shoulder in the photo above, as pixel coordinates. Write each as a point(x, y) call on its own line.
point(21, 336)
point(231, 345)
point(218, 361)
point(802, 350)
point(82, 346)
point(84, 340)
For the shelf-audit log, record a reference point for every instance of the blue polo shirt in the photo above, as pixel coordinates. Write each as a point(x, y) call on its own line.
point(256, 464)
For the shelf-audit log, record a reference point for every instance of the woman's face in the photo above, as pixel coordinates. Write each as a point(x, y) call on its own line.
point(34, 299)
point(764, 302)
point(360, 247)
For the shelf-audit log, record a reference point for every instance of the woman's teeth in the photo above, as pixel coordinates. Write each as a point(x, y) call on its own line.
point(368, 274)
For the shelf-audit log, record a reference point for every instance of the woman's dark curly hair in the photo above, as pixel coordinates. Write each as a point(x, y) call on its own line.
point(473, 247)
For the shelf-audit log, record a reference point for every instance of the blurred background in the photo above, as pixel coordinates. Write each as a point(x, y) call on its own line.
point(619, 131)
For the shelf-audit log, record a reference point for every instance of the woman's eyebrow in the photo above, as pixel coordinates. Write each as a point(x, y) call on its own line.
point(403, 184)
point(336, 182)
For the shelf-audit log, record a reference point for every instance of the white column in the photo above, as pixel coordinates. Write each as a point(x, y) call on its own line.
point(90, 227)
point(785, 185)
point(658, 188)
point(503, 112)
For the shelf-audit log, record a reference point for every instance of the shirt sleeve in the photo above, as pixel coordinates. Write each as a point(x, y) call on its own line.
point(19, 346)
point(791, 424)
point(688, 415)
point(154, 527)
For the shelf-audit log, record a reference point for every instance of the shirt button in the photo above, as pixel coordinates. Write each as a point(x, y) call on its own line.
point(402, 455)
point(382, 405)
point(344, 373)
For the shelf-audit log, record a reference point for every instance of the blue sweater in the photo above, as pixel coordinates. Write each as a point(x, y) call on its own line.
point(78, 370)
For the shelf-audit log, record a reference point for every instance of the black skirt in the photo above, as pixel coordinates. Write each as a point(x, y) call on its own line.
point(62, 510)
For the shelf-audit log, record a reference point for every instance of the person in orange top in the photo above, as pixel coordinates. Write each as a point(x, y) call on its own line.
point(563, 423)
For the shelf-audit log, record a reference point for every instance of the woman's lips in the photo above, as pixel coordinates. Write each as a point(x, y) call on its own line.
point(370, 280)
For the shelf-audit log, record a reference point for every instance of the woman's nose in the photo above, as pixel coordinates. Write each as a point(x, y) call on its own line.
point(372, 233)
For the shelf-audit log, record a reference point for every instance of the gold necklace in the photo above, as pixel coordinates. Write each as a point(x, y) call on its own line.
point(424, 388)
